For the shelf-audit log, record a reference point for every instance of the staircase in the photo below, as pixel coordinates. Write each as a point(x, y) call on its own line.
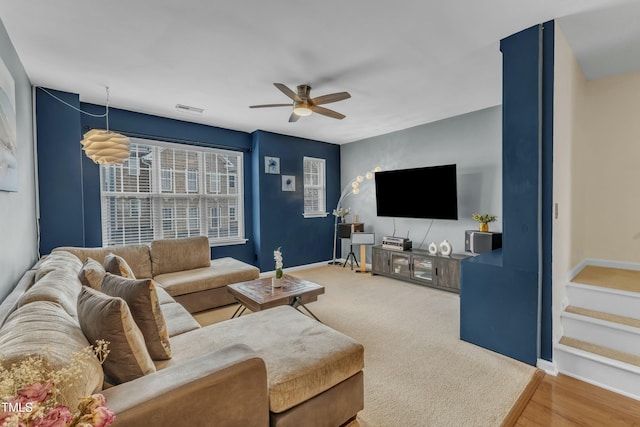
point(601, 329)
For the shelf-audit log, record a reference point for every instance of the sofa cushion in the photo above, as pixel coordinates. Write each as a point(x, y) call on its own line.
point(170, 255)
point(59, 286)
point(115, 264)
point(91, 274)
point(45, 329)
point(163, 296)
point(303, 357)
point(108, 318)
point(178, 319)
point(56, 262)
point(140, 296)
point(137, 256)
point(221, 272)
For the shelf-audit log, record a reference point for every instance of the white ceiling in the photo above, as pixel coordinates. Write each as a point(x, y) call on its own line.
point(405, 63)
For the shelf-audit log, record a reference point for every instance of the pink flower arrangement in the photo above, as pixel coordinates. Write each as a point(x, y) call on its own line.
point(29, 409)
point(32, 394)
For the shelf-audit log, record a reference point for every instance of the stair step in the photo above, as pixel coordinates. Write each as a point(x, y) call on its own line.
point(610, 374)
point(606, 300)
point(608, 277)
point(623, 320)
point(601, 351)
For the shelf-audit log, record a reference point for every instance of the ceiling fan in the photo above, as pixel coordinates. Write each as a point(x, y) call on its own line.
point(304, 105)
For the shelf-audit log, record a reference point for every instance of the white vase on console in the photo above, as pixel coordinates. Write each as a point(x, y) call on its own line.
point(445, 248)
point(433, 248)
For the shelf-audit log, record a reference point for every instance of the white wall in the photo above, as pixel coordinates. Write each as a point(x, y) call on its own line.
point(569, 93)
point(18, 236)
point(472, 141)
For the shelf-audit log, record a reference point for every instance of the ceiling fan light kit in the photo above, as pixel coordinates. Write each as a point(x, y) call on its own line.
point(304, 105)
point(302, 109)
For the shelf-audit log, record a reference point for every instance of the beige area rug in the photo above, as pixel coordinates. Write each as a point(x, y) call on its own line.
point(417, 370)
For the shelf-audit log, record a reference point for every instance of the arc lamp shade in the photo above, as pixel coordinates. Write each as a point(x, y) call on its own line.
point(105, 147)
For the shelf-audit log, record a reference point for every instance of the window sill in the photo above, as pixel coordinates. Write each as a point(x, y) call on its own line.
point(315, 215)
point(227, 242)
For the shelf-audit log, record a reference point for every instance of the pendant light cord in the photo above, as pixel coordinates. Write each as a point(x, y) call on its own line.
point(106, 114)
point(107, 108)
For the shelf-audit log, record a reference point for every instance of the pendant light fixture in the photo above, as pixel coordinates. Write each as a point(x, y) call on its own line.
point(105, 147)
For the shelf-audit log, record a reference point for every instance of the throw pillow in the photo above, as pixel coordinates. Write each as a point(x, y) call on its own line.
point(115, 264)
point(91, 274)
point(108, 318)
point(142, 299)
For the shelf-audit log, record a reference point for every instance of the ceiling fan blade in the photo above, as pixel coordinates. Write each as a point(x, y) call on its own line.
point(327, 112)
point(293, 117)
point(270, 105)
point(333, 97)
point(284, 89)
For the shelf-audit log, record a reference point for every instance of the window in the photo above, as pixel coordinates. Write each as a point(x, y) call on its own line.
point(192, 181)
point(194, 218)
point(314, 187)
point(215, 218)
point(134, 208)
point(134, 166)
point(214, 183)
point(166, 180)
point(167, 219)
point(165, 198)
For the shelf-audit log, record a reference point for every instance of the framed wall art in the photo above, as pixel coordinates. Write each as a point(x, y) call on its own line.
point(272, 165)
point(8, 155)
point(288, 183)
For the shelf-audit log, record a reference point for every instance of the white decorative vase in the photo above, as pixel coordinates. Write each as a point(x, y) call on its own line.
point(445, 248)
point(433, 248)
point(276, 283)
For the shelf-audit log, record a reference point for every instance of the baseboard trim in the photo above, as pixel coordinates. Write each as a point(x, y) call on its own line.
point(548, 367)
point(518, 408)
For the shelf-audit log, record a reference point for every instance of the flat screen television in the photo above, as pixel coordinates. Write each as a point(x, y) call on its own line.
point(428, 192)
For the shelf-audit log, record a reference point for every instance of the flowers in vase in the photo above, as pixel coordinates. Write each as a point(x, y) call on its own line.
point(277, 256)
point(32, 394)
point(484, 218)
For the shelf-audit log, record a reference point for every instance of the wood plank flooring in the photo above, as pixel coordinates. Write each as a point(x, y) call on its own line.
point(566, 401)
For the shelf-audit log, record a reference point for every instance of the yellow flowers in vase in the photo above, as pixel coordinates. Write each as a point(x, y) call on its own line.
point(484, 220)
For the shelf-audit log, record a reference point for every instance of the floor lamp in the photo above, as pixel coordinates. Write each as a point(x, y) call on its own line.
point(353, 188)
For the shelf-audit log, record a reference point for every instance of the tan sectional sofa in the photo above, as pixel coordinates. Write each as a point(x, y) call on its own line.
point(276, 367)
point(182, 267)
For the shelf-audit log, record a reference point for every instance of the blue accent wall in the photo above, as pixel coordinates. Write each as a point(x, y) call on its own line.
point(505, 296)
point(278, 214)
point(70, 182)
point(59, 171)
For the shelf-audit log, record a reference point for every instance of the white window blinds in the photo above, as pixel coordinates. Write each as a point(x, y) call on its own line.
point(314, 187)
point(161, 196)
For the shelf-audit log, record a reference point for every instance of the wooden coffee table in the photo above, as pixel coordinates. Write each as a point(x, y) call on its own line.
point(259, 295)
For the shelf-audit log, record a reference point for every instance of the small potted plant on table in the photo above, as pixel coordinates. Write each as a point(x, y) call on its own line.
point(484, 220)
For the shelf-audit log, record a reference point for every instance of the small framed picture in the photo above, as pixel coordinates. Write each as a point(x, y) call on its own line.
point(272, 165)
point(288, 183)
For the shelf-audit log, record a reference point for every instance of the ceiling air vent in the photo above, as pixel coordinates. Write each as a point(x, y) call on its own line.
point(188, 109)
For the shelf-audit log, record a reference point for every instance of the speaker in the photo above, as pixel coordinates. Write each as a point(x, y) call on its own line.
point(345, 229)
point(479, 242)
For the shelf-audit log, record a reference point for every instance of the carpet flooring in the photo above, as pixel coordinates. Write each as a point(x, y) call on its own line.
point(417, 370)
